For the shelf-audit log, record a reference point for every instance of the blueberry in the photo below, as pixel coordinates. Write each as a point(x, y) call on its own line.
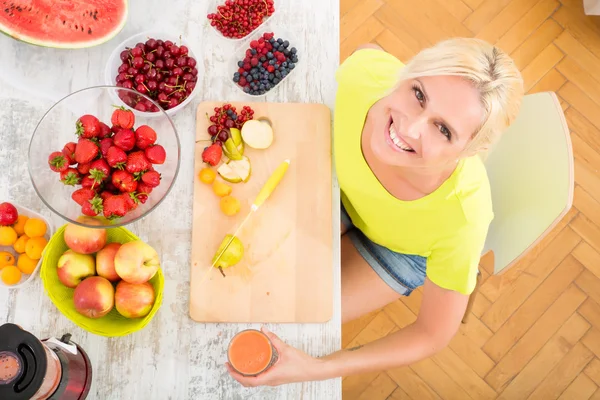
point(269, 55)
point(249, 78)
point(253, 70)
point(263, 69)
point(255, 76)
point(236, 74)
point(276, 81)
point(280, 41)
point(293, 50)
point(286, 52)
point(286, 43)
point(277, 74)
point(284, 74)
point(234, 117)
point(271, 62)
point(291, 65)
point(247, 89)
point(241, 64)
point(268, 86)
point(262, 86)
point(263, 59)
point(294, 59)
point(284, 64)
point(253, 52)
point(276, 46)
point(245, 74)
point(272, 40)
point(236, 78)
point(271, 76)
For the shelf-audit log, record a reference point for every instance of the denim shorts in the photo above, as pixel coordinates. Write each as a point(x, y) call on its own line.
point(402, 272)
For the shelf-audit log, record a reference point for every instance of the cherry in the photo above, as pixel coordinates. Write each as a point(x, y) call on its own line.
point(151, 44)
point(212, 130)
point(124, 55)
point(138, 62)
point(223, 135)
point(140, 107)
point(174, 50)
point(183, 51)
point(137, 52)
point(140, 78)
point(151, 57)
point(152, 85)
point(177, 71)
point(181, 61)
point(173, 102)
point(160, 64)
point(141, 88)
point(169, 63)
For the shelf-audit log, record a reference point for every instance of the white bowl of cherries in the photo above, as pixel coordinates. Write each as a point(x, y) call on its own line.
point(157, 64)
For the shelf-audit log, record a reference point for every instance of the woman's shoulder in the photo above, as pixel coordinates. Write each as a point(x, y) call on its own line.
point(369, 66)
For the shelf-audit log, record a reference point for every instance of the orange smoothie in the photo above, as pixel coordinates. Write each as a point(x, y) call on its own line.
point(251, 353)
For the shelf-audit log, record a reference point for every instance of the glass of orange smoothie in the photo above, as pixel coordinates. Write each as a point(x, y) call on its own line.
point(251, 353)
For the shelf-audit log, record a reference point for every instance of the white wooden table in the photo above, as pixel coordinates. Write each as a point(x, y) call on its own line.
point(173, 357)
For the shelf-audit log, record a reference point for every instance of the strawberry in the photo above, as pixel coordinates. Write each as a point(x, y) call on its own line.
point(114, 206)
point(99, 170)
point(144, 137)
point(85, 151)
point(83, 194)
point(70, 177)
point(124, 139)
point(105, 195)
point(89, 183)
point(69, 151)
point(137, 162)
point(131, 201)
point(155, 154)
point(123, 118)
point(58, 162)
point(212, 154)
point(87, 126)
point(151, 178)
point(105, 131)
point(124, 181)
point(105, 144)
point(116, 157)
point(93, 206)
point(143, 188)
point(115, 128)
point(110, 187)
point(83, 169)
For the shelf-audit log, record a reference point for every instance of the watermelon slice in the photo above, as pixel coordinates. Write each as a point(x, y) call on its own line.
point(67, 24)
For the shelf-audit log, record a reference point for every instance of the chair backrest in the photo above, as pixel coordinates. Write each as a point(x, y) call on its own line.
point(531, 177)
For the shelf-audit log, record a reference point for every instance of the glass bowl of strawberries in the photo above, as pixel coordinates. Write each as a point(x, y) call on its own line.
point(90, 158)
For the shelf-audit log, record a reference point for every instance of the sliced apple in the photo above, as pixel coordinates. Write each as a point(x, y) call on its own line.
point(236, 135)
point(235, 171)
point(257, 134)
point(242, 168)
point(228, 174)
point(231, 150)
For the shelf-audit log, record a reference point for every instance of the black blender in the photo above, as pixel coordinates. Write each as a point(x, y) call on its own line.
point(33, 369)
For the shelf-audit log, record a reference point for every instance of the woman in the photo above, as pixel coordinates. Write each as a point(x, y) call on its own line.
point(416, 203)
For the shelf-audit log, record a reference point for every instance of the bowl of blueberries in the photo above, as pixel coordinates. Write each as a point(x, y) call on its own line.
point(264, 60)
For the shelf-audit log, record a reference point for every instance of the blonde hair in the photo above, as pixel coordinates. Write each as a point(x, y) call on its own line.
point(491, 71)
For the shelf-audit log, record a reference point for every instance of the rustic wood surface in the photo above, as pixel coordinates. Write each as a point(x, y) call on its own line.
point(534, 332)
point(173, 357)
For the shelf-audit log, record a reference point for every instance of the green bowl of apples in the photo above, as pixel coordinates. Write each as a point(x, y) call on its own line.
point(106, 281)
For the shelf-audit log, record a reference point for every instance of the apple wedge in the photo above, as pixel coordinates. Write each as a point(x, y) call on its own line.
point(257, 134)
point(235, 171)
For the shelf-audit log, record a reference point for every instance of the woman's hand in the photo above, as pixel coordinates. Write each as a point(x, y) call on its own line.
point(292, 366)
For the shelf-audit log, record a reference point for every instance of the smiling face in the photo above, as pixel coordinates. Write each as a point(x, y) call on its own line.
point(425, 123)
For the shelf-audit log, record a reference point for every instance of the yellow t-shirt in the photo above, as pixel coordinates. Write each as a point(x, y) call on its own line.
point(448, 226)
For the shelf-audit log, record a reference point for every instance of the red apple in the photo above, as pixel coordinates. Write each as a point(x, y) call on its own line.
point(8, 214)
point(105, 262)
point(73, 267)
point(134, 300)
point(85, 240)
point(94, 297)
point(136, 262)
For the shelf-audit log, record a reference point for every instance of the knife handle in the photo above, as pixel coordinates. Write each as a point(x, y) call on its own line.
point(271, 184)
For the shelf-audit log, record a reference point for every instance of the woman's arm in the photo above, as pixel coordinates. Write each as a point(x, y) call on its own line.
point(437, 323)
point(439, 318)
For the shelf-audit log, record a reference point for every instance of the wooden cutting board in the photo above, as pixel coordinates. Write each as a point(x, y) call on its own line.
point(286, 274)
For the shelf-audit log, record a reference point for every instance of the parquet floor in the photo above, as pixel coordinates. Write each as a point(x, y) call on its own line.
point(535, 331)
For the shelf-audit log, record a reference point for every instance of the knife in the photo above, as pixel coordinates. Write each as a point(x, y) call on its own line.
point(262, 196)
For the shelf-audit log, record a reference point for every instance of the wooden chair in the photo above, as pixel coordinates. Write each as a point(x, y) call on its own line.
point(532, 182)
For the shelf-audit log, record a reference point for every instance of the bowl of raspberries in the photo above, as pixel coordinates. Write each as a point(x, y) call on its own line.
point(91, 158)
